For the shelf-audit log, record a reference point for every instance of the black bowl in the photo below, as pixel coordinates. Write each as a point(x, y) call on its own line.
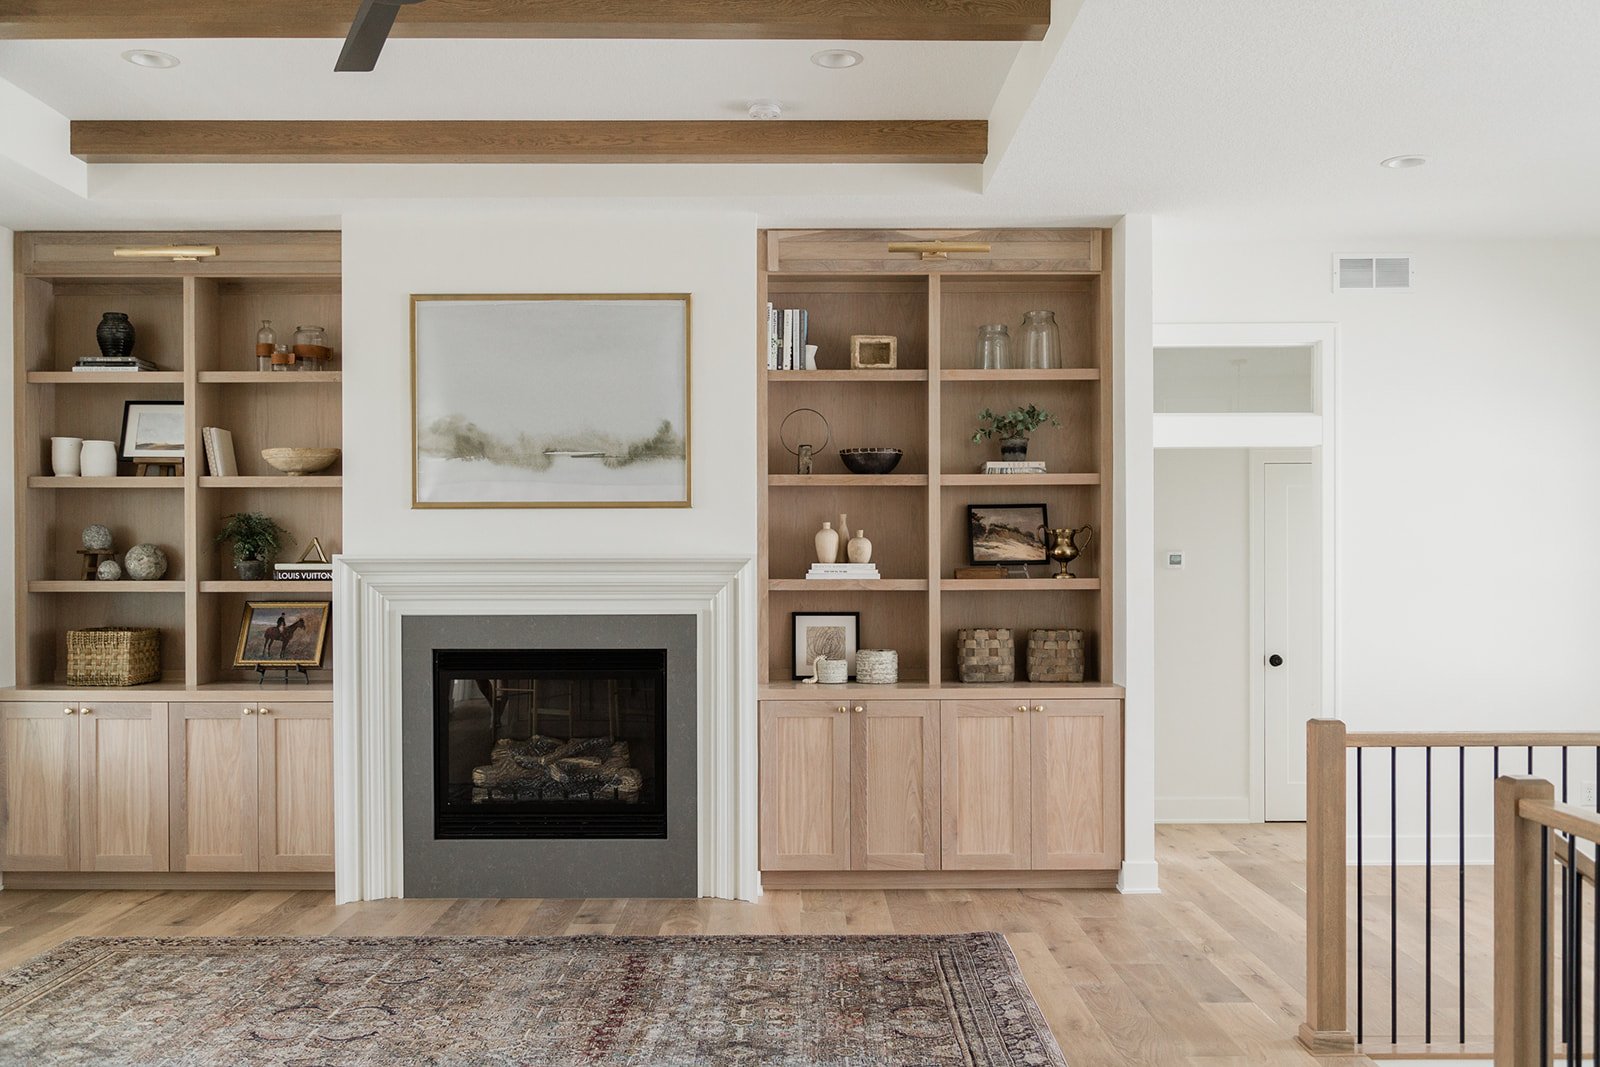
point(870, 460)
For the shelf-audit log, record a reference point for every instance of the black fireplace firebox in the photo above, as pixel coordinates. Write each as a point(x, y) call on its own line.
point(547, 743)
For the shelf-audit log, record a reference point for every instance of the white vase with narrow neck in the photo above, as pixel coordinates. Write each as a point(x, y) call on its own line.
point(99, 459)
point(859, 549)
point(827, 542)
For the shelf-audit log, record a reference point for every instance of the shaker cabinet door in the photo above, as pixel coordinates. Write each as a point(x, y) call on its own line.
point(122, 775)
point(39, 750)
point(894, 785)
point(294, 748)
point(805, 785)
point(1077, 792)
point(986, 785)
point(213, 764)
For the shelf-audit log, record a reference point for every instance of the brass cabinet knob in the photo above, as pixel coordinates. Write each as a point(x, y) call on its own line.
point(841, 709)
point(1022, 707)
point(1038, 707)
point(249, 711)
point(84, 711)
point(69, 711)
point(263, 711)
point(859, 709)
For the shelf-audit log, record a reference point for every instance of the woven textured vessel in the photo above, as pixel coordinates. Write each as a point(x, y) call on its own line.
point(986, 655)
point(113, 655)
point(877, 666)
point(1055, 656)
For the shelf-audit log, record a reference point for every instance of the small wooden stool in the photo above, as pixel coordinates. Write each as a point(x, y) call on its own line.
point(92, 561)
point(144, 467)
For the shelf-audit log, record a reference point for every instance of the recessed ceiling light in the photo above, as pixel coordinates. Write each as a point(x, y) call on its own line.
point(836, 58)
point(144, 57)
point(1403, 162)
point(766, 109)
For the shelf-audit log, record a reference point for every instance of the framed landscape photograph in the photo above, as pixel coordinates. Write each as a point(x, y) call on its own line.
point(835, 635)
point(283, 633)
point(152, 429)
point(1006, 533)
point(550, 400)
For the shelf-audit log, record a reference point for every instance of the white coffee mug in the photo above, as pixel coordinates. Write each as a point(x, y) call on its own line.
point(99, 459)
point(64, 456)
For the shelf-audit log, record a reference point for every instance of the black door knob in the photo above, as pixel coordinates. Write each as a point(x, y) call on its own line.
point(1275, 659)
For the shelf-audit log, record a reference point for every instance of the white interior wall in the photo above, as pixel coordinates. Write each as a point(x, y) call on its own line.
point(8, 632)
point(1203, 636)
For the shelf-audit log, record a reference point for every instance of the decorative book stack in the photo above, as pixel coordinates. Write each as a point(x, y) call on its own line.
point(122, 364)
point(837, 571)
point(1010, 466)
point(313, 566)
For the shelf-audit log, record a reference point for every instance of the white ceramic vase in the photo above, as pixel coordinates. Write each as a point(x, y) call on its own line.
point(827, 542)
point(65, 456)
point(99, 459)
point(859, 548)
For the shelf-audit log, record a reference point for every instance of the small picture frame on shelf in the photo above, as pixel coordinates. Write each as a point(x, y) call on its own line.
point(153, 430)
point(874, 352)
point(1007, 534)
point(832, 635)
point(283, 633)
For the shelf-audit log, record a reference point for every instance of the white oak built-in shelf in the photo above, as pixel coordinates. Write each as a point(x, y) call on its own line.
point(275, 481)
point(847, 375)
point(1019, 479)
point(978, 374)
point(67, 377)
point(293, 590)
point(922, 690)
point(835, 480)
point(173, 688)
point(851, 585)
point(1018, 585)
point(267, 377)
point(45, 481)
point(82, 585)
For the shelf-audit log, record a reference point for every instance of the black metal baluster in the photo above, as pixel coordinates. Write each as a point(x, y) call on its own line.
point(1575, 1038)
point(1461, 897)
point(1497, 761)
point(1394, 897)
point(1427, 875)
point(1563, 774)
point(1544, 944)
point(1361, 926)
point(1530, 759)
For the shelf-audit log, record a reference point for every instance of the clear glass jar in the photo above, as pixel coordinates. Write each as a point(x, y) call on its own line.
point(282, 359)
point(1040, 340)
point(266, 341)
point(311, 351)
point(994, 346)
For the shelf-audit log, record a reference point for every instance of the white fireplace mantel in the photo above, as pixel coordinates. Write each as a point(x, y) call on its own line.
point(373, 595)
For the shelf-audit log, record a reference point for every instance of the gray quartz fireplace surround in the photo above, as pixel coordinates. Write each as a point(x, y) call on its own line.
point(594, 790)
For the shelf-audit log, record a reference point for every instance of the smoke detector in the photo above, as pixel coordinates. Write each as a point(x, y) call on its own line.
point(766, 109)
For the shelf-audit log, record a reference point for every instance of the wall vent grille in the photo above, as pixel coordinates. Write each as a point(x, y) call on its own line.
point(1372, 273)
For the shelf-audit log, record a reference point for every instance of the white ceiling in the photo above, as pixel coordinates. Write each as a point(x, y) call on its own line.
point(1263, 117)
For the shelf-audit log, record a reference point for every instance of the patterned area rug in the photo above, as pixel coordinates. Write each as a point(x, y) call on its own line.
point(551, 1002)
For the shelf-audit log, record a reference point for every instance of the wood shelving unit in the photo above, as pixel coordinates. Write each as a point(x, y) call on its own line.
point(197, 323)
point(927, 406)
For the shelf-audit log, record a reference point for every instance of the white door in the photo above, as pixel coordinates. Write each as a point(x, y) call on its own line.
point(1291, 623)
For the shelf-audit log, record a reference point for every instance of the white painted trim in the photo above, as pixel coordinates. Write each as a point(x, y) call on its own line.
point(1139, 876)
point(1237, 431)
point(1204, 810)
point(373, 596)
point(1035, 60)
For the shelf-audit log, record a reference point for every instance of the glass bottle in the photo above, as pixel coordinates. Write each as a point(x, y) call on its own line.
point(994, 346)
point(282, 358)
point(266, 342)
point(311, 351)
point(1040, 340)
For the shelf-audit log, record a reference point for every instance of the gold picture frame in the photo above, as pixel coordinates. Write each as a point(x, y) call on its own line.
point(306, 623)
point(449, 444)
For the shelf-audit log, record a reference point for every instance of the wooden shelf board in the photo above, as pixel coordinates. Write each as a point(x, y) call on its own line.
point(279, 481)
point(266, 377)
point(38, 481)
point(950, 690)
point(294, 590)
point(174, 689)
point(1019, 479)
point(976, 374)
point(106, 377)
point(853, 585)
point(806, 481)
point(1017, 585)
point(847, 375)
point(123, 586)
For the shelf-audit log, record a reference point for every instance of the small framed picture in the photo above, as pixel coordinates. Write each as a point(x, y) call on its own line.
point(1012, 534)
point(834, 635)
point(153, 429)
point(283, 633)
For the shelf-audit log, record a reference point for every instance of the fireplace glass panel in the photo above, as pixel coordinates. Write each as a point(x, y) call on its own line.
point(550, 743)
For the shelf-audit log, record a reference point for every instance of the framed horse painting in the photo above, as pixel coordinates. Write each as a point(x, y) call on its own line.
point(283, 633)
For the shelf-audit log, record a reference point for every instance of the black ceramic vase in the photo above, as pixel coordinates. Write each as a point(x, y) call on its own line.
point(115, 335)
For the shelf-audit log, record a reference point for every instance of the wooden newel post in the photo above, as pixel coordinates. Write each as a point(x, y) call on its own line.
point(1518, 904)
point(1326, 1030)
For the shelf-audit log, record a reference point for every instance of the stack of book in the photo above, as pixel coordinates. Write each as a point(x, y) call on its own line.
point(302, 572)
point(1013, 466)
point(219, 452)
point(786, 338)
point(121, 364)
point(837, 571)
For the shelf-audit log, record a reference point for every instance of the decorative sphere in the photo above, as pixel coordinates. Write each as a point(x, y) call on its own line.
point(109, 571)
point(97, 538)
point(145, 563)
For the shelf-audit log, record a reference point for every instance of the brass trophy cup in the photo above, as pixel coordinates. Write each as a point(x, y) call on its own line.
point(1065, 546)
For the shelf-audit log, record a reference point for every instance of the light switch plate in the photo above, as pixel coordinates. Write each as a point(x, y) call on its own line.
point(1173, 560)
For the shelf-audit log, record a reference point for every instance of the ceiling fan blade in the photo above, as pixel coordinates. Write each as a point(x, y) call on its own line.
point(367, 35)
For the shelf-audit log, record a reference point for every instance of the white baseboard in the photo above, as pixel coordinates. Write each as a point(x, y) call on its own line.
point(1202, 809)
point(1139, 876)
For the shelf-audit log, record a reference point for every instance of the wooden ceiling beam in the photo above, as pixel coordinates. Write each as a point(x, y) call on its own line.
point(738, 141)
point(887, 20)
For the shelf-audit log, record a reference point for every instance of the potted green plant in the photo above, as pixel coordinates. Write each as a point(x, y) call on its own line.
point(256, 540)
point(1013, 429)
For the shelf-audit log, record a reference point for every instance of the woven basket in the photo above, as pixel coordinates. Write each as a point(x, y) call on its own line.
point(111, 655)
point(877, 666)
point(986, 655)
point(1055, 656)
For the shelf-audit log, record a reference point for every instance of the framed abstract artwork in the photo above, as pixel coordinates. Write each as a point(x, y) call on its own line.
point(831, 635)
